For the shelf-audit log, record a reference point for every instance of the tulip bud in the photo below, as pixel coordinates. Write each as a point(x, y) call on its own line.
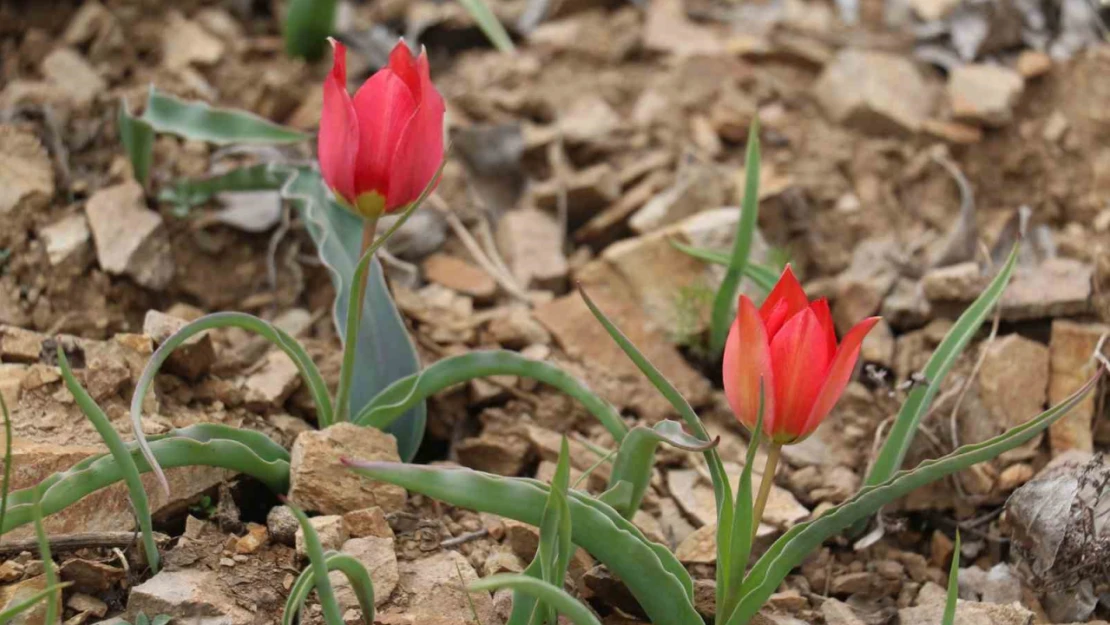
point(380, 149)
point(788, 347)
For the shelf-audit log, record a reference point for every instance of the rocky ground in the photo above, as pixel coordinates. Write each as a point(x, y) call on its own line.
point(901, 157)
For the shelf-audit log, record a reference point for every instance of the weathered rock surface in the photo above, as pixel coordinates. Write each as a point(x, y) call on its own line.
point(191, 359)
point(985, 94)
point(459, 275)
point(188, 594)
point(434, 593)
point(532, 245)
point(1071, 350)
point(329, 529)
point(377, 555)
point(321, 483)
point(875, 92)
point(130, 239)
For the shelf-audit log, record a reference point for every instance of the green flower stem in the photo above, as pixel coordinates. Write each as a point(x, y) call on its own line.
point(765, 486)
point(343, 393)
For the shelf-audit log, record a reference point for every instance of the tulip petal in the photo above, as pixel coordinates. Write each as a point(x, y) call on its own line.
point(403, 64)
point(337, 144)
point(384, 105)
point(787, 291)
point(420, 149)
point(820, 308)
point(840, 371)
point(799, 355)
point(747, 361)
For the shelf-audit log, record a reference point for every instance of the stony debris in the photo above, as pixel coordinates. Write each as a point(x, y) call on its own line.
point(19, 345)
point(695, 496)
point(586, 191)
point(698, 188)
point(193, 358)
point(15, 594)
point(838, 613)
point(1071, 353)
point(188, 43)
point(67, 240)
point(72, 73)
point(1058, 287)
point(998, 585)
point(282, 525)
point(459, 275)
point(377, 555)
point(532, 244)
point(970, 612)
point(130, 239)
point(87, 604)
point(984, 94)
point(433, 593)
point(367, 522)
point(26, 174)
point(875, 92)
point(1013, 380)
point(187, 594)
point(267, 388)
point(517, 329)
point(90, 576)
point(321, 483)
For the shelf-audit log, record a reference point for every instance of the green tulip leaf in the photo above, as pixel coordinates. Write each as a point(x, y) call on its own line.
point(953, 597)
point(763, 276)
point(548, 593)
point(652, 573)
point(636, 457)
point(489, 24)
point(201, 122)
point(384, 351)
point(190, 192)
point(356, 573)
point(318, 564)
point(307, 26)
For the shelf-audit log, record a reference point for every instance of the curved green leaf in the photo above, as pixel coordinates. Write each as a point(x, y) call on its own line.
point(725, 301)
point(360, 580)
point(48, 561)
point(137, 138)
point(189, 192)
point(555, 547)
point(202, 122)
point(652, 573)
point(409, 391)
point(552, 595)
point(721, 489)
point(734, 542)
point(894, 449)
point(763, 276)
point(118, 449)
point(489, 24)
point(636, 458)
point(280, 338)
point(797, 543)
point(307, 26)
point(953, 597)
point(319, 567)
point(385, 352)
point(242, 451)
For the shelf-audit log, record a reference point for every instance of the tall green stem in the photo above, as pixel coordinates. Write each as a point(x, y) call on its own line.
point(343, 393)
point(765, 485)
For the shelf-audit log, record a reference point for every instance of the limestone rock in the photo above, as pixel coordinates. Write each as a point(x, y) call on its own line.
point(26, 173)
point(19, 345)
point(130, 239)
point(187, 594)
point(1071, 348)
point(838, 613)
point(282, 525)
point(875, 92)
point(187, 43)
point(435, 593)
point(699, 188)
point(984, 94)
point(367, 522)
point(66, 238)
point(1013, 380)
point(81, 602)
point(273, 383)
point(494, 453)
point(1058, 287)
point(968, 613)
point(191, 359)
point(587, 191)
point(517, 329)
point(459, 275)
point(329, 529)
point(72, 73)
point(961, 282)
point(695, 496)
point(532, 244)
point(15, 594)
point(320, 482)
point(377, 555)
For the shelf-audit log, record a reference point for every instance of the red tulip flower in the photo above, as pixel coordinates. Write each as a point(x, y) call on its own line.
point(788, 345)
point(380, 149)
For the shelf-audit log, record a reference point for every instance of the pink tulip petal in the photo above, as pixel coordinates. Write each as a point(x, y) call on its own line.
point(404, 65)
point(385, 105)
point(799, 353)
point(747, 360)
point(337, 144)
point(840, 371)
point(787, 290)
point(420, 149)
point(820, 308)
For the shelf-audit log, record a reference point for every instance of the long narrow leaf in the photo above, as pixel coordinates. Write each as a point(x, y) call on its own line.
point(732, 562)
point(636, 458)
point(765, 277)
point(490, 25)
point(307, 26)
point(118, 448)
point(47, 561)
point(137, 138)
point(725, 301)
point(953, 586)
point(655, 577)
point(281, 339)
point(189, 192)
point(214, 445)
point(319, 565)
point(721, 489)
point(797, 543)
point(407, 392)
point(385, 351)
point(548, 593)
point(893, 452)
point(356, 573)
point(555, 547)
point(202, 122)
